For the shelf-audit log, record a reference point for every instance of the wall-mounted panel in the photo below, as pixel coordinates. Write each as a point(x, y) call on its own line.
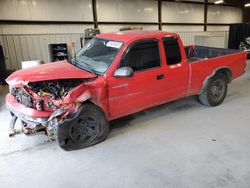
point(18, 48)
point(211, 41)
point(182, 12)
point(60, 10)
point(174, 28)
point(190, 38)
point(223, 14)
point(127, 10)
point(116, 28)
point(218, 28)
point(201, 1)
point(43, 29)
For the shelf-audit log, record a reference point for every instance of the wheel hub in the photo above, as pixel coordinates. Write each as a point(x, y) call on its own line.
point(217, 89)
point(84, 129)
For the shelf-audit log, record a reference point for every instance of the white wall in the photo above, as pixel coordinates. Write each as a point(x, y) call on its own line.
point(175, 28)
point(182, 12)
point(42, 29)
point(217, 28)
point(223, 14)
point(59, 10)
point(45, 10)
point(115, 28)
point(110, 10)
point(127, 10)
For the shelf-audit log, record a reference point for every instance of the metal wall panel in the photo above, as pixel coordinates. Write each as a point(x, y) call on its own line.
point(224, 14)
point(116, 28)
point(127, 10)
point(64, 10)
point(182, 12)
point(18, 48)
point(190, 38)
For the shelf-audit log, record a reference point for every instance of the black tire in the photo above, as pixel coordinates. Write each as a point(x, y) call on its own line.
point(88, 127)
point(214, 91)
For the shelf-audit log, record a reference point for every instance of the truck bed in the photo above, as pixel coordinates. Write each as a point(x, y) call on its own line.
point(199, 53)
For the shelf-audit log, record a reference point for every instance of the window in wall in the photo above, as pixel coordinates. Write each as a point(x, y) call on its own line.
point(172, 50)
point(142, 55)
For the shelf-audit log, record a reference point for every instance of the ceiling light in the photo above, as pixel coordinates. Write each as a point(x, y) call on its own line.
point(219, 2)
point(247, 5)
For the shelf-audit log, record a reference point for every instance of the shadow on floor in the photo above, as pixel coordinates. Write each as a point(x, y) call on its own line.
point(153, 113)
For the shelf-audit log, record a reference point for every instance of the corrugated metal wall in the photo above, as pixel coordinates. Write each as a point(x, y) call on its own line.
point(194, 38)
point(24, 47)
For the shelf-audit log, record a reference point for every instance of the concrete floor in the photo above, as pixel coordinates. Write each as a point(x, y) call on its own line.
point(181, 144)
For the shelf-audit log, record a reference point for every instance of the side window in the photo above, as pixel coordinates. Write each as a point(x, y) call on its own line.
point(142, 55)
point(172, 50)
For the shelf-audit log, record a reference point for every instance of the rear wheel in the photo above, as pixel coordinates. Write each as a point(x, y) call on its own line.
point(215, 90)
point(88, 127)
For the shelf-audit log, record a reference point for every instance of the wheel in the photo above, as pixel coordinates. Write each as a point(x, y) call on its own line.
point(88, 127)
point(215, 90)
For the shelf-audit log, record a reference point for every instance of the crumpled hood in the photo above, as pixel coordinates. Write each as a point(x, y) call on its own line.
point(49, 71)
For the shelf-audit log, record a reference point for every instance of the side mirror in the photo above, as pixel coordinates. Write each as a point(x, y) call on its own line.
point(124, 72)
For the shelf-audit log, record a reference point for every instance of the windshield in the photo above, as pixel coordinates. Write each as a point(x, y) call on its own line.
point(97, 55)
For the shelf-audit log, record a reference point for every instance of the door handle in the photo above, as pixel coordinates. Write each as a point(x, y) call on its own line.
point(160, 77)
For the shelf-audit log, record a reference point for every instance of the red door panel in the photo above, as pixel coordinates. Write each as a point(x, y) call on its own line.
point(144, 89)
point(129, 95)
point(177, 68)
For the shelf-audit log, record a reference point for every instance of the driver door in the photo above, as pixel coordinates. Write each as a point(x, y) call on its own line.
point(128, 95)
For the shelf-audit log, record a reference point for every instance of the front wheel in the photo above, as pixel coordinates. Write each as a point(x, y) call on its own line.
point(88, 127)
point(215, 90)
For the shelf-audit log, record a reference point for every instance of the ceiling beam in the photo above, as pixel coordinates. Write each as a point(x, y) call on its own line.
point(205, 14)
point(43, 22)
point(159, 15)
point(94, 9)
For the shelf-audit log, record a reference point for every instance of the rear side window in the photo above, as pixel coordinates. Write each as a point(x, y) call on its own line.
point(172, 50)
point(142, 55)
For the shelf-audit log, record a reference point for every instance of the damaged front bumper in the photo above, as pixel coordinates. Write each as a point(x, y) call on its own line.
point(32, 120)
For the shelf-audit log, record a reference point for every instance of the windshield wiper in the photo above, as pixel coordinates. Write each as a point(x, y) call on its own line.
point(72, 61)
point(85, 66)
point(89, 67)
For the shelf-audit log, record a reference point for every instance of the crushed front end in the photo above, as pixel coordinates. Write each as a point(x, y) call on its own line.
point(43, 105)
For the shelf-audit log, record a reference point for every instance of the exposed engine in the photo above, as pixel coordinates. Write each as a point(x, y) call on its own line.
point(56, 89)
point(22, 97)
point(46, 91)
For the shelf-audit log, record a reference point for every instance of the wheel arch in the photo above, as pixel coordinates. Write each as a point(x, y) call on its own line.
point(226, 71)
point(98, 105)
point(222, 70)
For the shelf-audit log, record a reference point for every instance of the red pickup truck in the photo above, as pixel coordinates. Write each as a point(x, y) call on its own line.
point(115, 75)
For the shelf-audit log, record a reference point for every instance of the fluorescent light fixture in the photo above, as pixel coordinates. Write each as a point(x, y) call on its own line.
point(247, 5)
point(219, 2)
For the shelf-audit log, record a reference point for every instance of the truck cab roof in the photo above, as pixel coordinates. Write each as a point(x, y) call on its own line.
point(132, 35)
